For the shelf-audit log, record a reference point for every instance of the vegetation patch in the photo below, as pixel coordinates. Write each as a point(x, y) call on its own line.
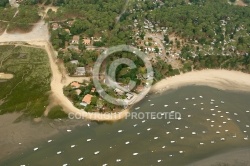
point(57, 112)
point(27, 91)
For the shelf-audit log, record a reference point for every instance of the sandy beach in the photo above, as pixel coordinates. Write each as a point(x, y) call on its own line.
point(220, 79)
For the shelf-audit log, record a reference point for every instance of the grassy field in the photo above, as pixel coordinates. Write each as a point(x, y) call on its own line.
point(28, 90)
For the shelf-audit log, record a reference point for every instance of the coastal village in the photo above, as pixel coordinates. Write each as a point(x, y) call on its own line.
point(79, 52)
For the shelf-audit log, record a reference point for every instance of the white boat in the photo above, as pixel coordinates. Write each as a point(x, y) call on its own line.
point(97, 152)
point(201, 143)
point(137, 108)
point(49, 141)
point(163, 147)
point(172, 142)
point(127, 142)
point(138, 133)
point(167, 132)
point(176, 102)
point(35, 149)
point(222, 139)
point(165, 105)
point(181, 151)
point(201, 96)
point(184, 108)
point(158, 161)
point(119, 131)
point(156, 137)
point(212, 142)
point(59, 152)
point(135, 125)
point(152, 105)
point(80, 159)
point(182, 137)
point(72, 146)
point(68, 130)
point(246, 138)
point(65, 164)
point(149, 129)
point(88, 140)
point(193, 133)
point(187, 99)
point(88, 125)
point(118, 160)
point(134, 154)
point(143, 121)
point(104, 164)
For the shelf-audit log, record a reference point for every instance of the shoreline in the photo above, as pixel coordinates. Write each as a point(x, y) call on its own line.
point(216, 78)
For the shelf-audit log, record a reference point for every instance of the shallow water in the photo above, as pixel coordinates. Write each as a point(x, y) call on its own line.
point(153, 144)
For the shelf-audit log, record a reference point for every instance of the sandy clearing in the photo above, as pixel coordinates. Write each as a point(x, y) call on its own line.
point(39, 33)
point(6, 76)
